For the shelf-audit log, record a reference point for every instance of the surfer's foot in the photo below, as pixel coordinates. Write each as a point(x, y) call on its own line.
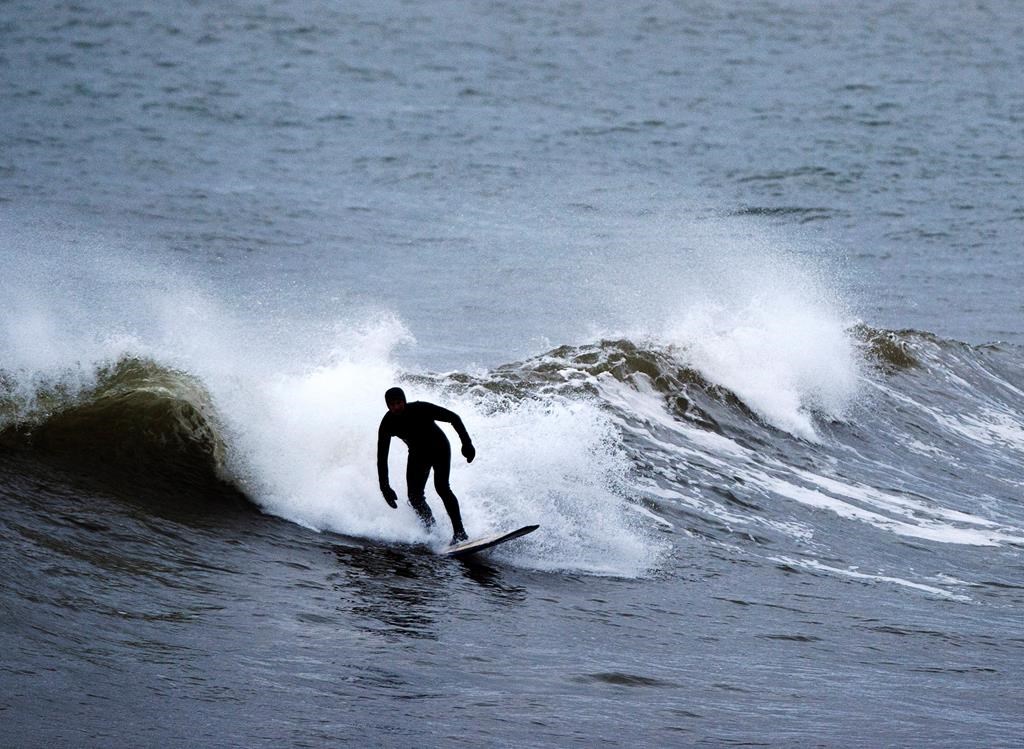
point(459, 537)
point(426, 516)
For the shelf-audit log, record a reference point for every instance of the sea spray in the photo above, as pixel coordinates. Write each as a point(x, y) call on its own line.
point(296, 408)
point(306, 449)
point(770, 329)
point(765, 316)
point(559, 462)
point(305, 438)
point(783, 359)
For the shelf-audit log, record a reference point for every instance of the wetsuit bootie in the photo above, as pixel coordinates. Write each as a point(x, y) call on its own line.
point(459, 537)
point(423, 510)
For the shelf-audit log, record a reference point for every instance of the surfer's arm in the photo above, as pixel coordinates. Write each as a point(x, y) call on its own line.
point(450, 417)
point(383, 447)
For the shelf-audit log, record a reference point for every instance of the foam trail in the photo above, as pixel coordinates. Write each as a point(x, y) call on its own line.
point(856, 575)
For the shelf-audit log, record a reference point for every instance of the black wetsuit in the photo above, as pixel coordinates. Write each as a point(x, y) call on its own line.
point(428, 449)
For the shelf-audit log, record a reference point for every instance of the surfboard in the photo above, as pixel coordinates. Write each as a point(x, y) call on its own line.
point(466, 548)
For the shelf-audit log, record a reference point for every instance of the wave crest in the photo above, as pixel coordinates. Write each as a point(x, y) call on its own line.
point(136, 416)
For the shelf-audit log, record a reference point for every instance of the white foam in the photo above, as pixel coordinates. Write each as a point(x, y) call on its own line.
point(852, 573)
point(302, 441)
point(783, 354)
point(754, 312)
point(926, 529)
point(890, 502)
point(988, 427)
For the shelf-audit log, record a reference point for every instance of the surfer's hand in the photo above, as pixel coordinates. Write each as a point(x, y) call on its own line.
point(469, 452)
point(389, 496)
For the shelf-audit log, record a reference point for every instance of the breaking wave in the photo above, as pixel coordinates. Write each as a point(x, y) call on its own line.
point(603, 444)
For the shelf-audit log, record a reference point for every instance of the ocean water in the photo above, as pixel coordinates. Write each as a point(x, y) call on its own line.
point(727, 294)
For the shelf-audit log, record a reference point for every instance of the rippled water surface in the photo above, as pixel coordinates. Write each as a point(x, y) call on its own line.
point(727, 294)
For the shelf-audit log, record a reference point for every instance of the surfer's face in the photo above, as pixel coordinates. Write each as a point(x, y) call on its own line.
point(396, 406)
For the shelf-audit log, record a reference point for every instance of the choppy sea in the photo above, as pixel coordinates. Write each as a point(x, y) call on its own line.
point(728, 295)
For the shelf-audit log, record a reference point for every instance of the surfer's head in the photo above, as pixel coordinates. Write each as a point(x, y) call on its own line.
point(395, 398)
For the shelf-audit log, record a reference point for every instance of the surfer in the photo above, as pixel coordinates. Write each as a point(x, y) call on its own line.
point(414, 423)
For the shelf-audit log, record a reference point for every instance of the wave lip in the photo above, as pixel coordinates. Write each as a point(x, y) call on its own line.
point(138, 418)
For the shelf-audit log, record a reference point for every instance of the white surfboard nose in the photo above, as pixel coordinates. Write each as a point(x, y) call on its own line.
point(480, 544)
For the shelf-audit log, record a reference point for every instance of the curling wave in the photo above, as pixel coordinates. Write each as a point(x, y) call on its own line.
point(135, 416)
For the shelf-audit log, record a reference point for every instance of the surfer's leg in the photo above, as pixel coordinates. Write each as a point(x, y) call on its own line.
point(416, 472)
point(442, 471)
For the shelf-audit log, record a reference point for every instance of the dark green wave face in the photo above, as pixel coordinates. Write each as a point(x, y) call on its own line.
point(134, 420)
